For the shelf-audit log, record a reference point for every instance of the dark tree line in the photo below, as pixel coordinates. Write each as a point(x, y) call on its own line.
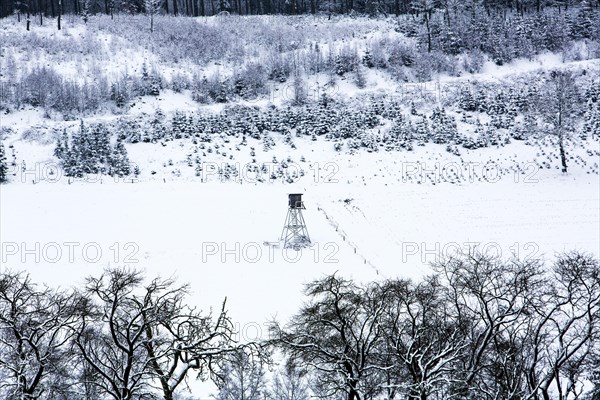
point(480, 328)
point(422, 8)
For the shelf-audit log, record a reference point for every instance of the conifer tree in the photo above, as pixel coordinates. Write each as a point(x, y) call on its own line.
point(402, 132)
point(591, 126)
point(443, 127)
point(119, 161)
point(3, 164)
point(422, 132)
point(61, 143)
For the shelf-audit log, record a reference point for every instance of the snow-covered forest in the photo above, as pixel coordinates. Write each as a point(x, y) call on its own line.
point(448, 153)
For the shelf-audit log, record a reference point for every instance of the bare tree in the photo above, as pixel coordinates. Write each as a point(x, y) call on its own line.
point(110, 335)
point(290, 383)
point(242, 376)
point(34, 337)
point(180, 339)
point(557, 107)
point(155, 337)
point(425, 337)
point(490, 296)
point(336, 335)
point(564, 325)
point(28, 20)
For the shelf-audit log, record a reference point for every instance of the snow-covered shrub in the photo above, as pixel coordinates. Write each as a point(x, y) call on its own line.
point(179, 38)
point(3, 164)
point(401, 135)
point(346, 129)
point(249, 82)
point(40, 85)
point(378, 54)
point(408, 26)
point(472, 61)
point(180, 82)
point(150, 81)
point(367, 59)
point(523, 129)
point(400, 57)
point(345, 60)
point(128, 129)
point(211, 89)
point(313, 58)
point(121, 91)
point(360, 79)
point(369, 142)
point(279, 68)
point(181, 125)
point(450, 41)
point(427, 64)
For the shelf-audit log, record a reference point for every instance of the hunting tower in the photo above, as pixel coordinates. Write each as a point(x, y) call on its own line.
point(295, 234)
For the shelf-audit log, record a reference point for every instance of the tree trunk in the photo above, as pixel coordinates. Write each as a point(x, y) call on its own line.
point(28, 14)
point(563, 156)
point(59, 12)
point(353, 393)
point(428, 32)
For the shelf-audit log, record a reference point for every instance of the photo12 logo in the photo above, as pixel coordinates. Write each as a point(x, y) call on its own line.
point(53, 172)
point(266, 172)
point(254, 253)
point(13, 253)
point(491, 172)
point(296, 90)
point(436, 252)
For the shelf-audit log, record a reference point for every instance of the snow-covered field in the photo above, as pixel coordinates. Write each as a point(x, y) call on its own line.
point(212, 234)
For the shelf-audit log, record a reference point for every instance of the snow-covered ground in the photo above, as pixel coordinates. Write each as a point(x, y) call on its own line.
point(212, 234)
